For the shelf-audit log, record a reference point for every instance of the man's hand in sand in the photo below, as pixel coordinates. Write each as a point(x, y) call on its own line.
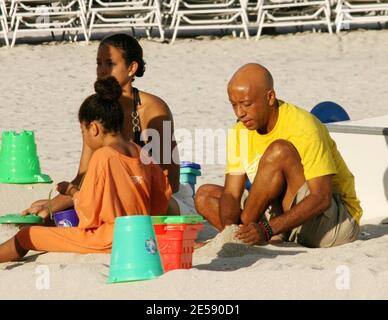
point(251, 234)
point(67, 188)
point(39, 207)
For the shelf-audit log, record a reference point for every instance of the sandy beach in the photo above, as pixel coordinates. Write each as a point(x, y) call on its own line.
point(42, 87)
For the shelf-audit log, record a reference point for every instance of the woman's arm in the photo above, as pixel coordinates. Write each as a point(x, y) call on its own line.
point(157, 112)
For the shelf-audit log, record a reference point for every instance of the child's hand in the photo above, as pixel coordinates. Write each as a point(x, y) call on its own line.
point(66, 188)
point(39, 208)
point(35, 207)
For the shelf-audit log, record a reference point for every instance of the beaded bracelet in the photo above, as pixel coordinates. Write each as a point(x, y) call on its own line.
point(266, 228)
point(269, 229)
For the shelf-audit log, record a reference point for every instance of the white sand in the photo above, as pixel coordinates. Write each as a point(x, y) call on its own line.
point(41, 88)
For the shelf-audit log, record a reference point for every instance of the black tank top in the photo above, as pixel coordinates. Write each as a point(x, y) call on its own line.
point(135, 118)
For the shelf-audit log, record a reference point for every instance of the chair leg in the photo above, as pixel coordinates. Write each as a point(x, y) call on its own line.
point(244, 19)
point(160, 27)
point(260, 28)
point(174, 13)
point(259, 13)
point(133, 32)
point(84, 28)
point(15, 32)
point(5, 33)
point(246, 31)
point(11, 25)
point(327, 14)
point(91, 25)
point(158, 18)
point(147, 30)
point(178, 21)
point(339, 23)
point(336, 20)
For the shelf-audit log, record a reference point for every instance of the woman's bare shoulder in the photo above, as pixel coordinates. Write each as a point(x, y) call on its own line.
point(154, 105)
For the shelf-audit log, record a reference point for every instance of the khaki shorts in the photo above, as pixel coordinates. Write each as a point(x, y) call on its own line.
point(331, 228)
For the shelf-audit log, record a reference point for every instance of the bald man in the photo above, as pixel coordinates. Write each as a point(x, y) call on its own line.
point(301, 189)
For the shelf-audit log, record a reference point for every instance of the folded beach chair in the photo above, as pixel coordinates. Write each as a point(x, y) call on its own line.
point(289, 13)
point(360, 11)
point(209, 15)
point(31, 16)
point(252, 8)
point(3, 22)
point(123, 14)
point(167, 10)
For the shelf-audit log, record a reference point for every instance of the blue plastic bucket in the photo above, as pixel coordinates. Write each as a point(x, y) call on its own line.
point(66, 218)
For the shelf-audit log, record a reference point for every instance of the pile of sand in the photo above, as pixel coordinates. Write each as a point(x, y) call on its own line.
point(225, 244)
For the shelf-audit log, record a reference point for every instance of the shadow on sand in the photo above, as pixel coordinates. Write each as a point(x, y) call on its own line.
point(28, 259)
point(373, 231)
point(225, 257)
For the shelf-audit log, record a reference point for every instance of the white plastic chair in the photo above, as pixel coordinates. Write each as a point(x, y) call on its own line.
point(209, 15)
point(289, 13)
point(116, 14)
point(31, 16)
point(353, 11)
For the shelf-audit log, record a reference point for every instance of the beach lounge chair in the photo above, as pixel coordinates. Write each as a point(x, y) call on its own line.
point(360, 11)
point(117, 14)
point(289, 13)
point(3, 22)
point(31, 16)
point(167, 9)
point(209, 15)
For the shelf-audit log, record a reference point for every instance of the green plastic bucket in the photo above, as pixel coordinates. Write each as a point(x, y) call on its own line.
point(135, 254)
point(19, 219)
point(177, 219)
point(19, 162)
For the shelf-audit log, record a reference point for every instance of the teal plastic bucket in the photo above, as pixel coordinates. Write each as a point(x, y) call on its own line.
point(135, 254)
point(190, 171)
point(188, 175)
point(187, 178)
point(19, 162)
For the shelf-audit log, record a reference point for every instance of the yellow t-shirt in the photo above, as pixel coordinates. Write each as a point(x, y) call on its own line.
point(310, 137)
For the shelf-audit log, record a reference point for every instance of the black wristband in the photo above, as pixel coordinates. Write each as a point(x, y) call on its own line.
point(267, 230)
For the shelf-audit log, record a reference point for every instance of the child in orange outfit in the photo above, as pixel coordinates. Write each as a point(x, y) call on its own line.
point(120, 180)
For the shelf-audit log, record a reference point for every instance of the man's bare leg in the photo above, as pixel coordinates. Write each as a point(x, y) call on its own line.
point(279, 176)
point(207, 204)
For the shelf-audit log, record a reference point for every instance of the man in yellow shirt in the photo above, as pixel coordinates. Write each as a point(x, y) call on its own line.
point(290, 159)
